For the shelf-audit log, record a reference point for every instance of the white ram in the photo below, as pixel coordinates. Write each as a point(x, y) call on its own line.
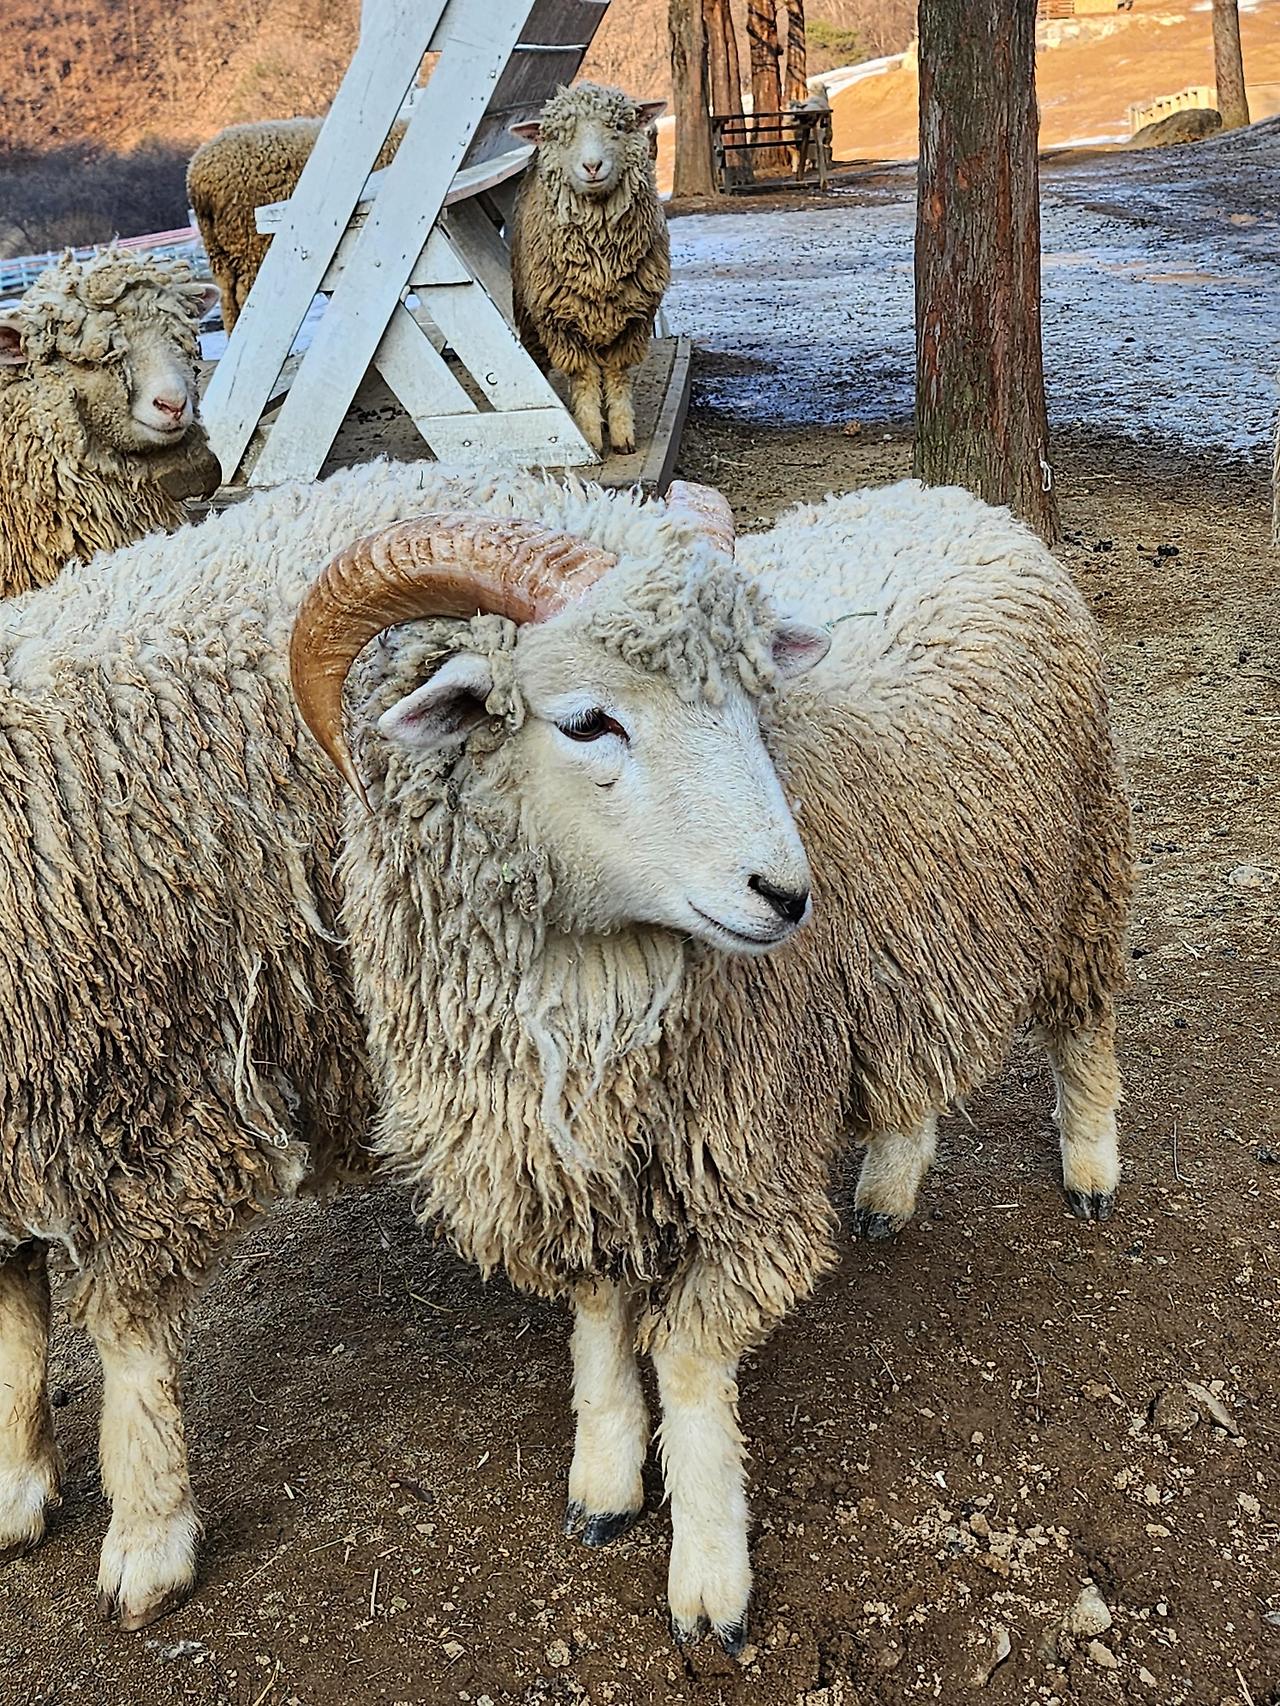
point(620, 1068)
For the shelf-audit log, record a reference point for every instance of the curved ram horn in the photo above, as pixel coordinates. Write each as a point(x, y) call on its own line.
point(706, 509)
point(454, 563)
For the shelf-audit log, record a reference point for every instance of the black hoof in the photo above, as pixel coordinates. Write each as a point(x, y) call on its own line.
point(574, 1516)
point(734, 1638)
point(1092, 1205)
point(685, 1634)
point(600, 1530)
point(867, 1223)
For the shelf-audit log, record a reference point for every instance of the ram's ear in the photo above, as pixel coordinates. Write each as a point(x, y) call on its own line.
point(203, 298)
point(12, 353)
point(649, 112)
point(444, 710)
point(797, 648)
point(530, 130)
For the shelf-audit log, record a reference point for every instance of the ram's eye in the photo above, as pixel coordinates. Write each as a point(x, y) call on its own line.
point(591, 725)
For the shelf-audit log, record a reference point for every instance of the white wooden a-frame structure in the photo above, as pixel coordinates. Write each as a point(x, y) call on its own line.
point(409, 260)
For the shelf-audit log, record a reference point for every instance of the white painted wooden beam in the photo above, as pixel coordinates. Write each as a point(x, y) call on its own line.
point(394, 37)
point(409, 199)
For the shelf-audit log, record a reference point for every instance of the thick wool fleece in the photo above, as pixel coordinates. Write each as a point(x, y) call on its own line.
point(638, 1106)
point(180, 1042)
point(64, 492)
point(243, 168)
point(587, 275)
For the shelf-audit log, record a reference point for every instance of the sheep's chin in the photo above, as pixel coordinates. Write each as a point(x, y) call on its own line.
point(592, 188)
point(148, 435)
point(729, 938)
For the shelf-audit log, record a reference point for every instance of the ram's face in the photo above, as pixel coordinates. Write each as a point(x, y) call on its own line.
point(651, 809)
point(595, 156)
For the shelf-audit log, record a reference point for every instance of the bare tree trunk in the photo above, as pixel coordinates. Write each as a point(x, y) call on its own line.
point(1228, 65)
point(796, 82)
point(980, 409)
point(766, 82)
point(692, 172)
point(722, 54)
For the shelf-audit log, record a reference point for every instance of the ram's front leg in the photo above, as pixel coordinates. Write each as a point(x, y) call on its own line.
point(709, 1580)
point(620, 409)
point(605, 1491)
point(585, 382)
point(149, 1555)
point(28, 1456)
point(1088, 1081)
point(893, 1170)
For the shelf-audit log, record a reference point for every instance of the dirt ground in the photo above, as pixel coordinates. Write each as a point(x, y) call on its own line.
point(955, 1436)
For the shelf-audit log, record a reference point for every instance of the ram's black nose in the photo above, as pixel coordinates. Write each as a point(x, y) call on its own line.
point(787, 903)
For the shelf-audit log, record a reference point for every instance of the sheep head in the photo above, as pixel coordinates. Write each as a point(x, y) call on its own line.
point(651, 801)
point(118, 335)
point(591, 139)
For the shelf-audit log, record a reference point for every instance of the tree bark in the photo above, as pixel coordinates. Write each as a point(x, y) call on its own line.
point(1228, 65)
point(766, 81)
point(980, 407)
point(722, 52)
point(692, 168)
point(796, 86)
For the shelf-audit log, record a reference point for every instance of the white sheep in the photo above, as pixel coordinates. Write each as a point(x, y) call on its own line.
point(99, 437)
point(621, 1101)
point(609, 1059)
point(590, 257)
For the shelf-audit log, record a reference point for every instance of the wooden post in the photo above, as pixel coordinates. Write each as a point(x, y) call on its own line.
point(1228, 65)
point(796, 81)
point(980, 407)
point(688, 31)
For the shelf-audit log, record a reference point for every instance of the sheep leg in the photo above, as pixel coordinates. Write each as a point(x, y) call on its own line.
point(149, 1555)
point(620, 410)
point(703, 1461)
point(1088, 1081)
point(893, 1170)
point(605, 1491)
point(29, 1465)
point(584, 404)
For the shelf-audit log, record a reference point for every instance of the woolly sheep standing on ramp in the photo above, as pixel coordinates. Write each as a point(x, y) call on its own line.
point(99, 437)
point(590, 257)
point(621, 1067)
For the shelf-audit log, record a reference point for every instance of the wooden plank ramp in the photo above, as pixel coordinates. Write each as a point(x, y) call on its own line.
point(379, 426)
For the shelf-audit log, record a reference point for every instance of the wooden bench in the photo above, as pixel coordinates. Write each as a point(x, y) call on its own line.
point(805, 133)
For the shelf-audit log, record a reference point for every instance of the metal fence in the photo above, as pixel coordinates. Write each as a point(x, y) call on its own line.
point(16, 274)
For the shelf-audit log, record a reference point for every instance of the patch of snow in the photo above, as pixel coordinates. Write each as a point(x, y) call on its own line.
point(808, 318)
point(1092, 141)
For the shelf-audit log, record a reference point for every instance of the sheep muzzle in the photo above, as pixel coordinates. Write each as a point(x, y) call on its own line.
point(453, 563)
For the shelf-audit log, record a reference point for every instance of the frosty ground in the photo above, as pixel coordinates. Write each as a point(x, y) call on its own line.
point(961, 1430)
point(1161, 298)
